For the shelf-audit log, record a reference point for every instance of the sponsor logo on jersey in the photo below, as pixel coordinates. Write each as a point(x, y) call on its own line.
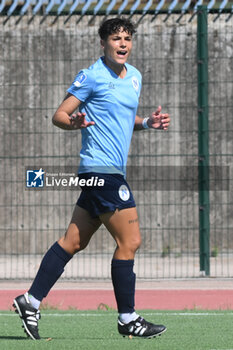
point(111, 86)
point(80, 79)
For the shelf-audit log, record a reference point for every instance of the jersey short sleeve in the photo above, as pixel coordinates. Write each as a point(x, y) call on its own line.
point(83, 85)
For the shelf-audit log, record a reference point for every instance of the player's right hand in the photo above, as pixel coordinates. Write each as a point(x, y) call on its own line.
point(78, 121)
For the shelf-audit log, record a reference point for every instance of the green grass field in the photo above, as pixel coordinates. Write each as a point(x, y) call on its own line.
point(96, 330)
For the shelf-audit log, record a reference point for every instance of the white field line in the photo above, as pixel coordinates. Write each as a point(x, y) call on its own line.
point(183, 314)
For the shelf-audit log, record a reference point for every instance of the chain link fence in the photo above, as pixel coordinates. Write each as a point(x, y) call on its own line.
point(38, 61)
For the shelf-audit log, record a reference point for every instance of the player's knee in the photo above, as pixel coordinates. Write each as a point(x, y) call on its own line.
point(73, 244)
point(78, 246)
point(132, 245)
point(137, 243)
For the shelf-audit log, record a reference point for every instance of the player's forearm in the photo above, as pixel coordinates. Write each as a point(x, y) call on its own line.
point(140, 123)
point(62, 121)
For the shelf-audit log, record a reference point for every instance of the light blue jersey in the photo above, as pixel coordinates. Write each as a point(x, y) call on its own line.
point(111, 102)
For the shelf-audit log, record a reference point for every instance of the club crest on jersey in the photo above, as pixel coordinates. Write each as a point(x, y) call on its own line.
point(124, 193)
point(80, 79)
point(135, 83)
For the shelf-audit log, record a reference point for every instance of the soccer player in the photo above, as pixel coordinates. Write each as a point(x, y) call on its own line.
point(106, 96)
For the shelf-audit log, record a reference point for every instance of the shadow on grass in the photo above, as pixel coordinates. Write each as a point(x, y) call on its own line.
point(2, 337)
point(9, 337)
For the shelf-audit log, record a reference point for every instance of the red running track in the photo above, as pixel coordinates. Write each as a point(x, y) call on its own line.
point(145, 299)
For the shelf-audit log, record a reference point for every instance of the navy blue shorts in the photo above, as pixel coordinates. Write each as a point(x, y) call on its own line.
point(114, 194)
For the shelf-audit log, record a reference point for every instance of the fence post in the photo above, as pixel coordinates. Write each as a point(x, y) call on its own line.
point(203, 140)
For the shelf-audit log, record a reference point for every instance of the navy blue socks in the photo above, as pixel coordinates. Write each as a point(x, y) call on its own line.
point(123, 279)
point(51, 268)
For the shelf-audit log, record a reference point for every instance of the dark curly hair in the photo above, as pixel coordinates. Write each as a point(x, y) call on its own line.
point(114, 25)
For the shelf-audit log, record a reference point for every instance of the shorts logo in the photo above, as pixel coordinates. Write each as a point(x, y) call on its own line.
point(35, 178)
point(135, 83)
point(124, 192)
point(80, 79)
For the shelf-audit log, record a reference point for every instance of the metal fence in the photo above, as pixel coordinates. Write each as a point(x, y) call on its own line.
point(40, 55)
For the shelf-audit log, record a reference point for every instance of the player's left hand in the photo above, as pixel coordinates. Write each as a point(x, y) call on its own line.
point(159, 120)
point(78, 121)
